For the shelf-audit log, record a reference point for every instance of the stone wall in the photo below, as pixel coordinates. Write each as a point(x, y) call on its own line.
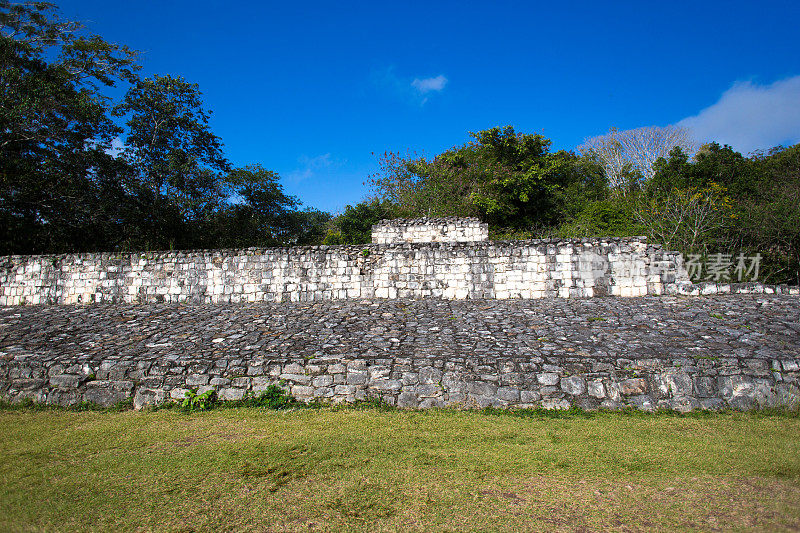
point(502, 270)
point(735, 351)
point(448, 229)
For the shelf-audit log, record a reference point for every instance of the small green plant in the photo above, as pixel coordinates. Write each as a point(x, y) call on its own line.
point(273, 397)
point(198, 402)
point(365, 252)
point(597, 319)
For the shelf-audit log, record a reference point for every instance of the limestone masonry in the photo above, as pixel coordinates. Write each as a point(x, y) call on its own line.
point(456, 321)
point(430, 230)
point(722, 351)
point(447, 267)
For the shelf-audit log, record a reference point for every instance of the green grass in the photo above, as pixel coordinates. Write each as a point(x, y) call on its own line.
point(367, 469)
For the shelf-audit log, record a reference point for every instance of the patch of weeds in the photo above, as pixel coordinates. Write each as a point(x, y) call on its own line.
point(377, 403)
point(597, 319)
point(199, 402)
point(123, 405)
point(27, 404)
point(273, 397)
point(716, 315)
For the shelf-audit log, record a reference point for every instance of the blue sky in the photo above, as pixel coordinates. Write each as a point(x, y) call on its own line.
point(312, 89)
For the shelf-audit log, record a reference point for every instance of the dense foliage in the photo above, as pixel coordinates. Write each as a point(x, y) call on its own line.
point(717, 204)
point(80, 172)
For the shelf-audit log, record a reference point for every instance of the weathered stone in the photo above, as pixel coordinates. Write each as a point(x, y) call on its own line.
point(643, 402)
point(430, 375)
point(548, 378)
point(407, 400)
point(322, 381)
point(555, 403)
point(178, 393)
point(508, 394)
point(302, 391)
point(528, 397)
point(633, 386)
point(574, 385)
point(428, 391)
point(684, 404)
point(482, 348)
point(734, 386)
point(385, 384)
point(302, 379)
point(337, 368)
point(596, 389)
point(230, 393)
point(678, 384)
point(148, 398)
point(428, 403)
point(481, 389)
point(195, 380)
point(105, 393)
point(65, 381)
point(705, 386)
point(354, 378)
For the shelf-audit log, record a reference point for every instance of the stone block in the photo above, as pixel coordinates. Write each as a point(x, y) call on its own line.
point(385, 385)
point(231, 394)
point(633, 386)
point(195, 380)
point(148, 397)
point(556, 403)
point(574, 385)
point(529, 396)
point(548, 378)
point(596, 389)
point(65, 381)
point(407, 400)
point(322, 381)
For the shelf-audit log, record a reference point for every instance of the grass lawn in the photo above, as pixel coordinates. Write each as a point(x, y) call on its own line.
point(350, 469)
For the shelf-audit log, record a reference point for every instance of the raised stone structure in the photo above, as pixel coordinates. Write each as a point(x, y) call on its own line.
point(712, 352)
point(450, 229)
point(389, 320)
point(450, 270)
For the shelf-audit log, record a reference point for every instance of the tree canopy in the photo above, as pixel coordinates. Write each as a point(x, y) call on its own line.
point(81, 172)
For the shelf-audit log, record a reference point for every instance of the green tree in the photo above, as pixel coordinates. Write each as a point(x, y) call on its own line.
point(507, 178)
point(260, 213)
point(55, 132)
point(179, 162)
point(354, 225)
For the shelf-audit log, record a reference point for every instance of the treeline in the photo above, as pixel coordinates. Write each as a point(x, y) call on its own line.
point(722, 210)
point(81, 172)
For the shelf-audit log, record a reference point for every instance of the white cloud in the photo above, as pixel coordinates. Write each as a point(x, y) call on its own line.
point(309, 166)
point(404, 88)
point(427, 85)
point(751, 117)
